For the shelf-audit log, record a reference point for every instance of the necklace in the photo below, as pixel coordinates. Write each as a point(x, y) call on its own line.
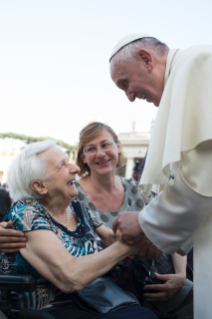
point(67, 215)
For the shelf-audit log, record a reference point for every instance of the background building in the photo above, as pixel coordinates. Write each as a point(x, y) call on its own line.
point(6, 158)
point(134, 147)
point(11, 147)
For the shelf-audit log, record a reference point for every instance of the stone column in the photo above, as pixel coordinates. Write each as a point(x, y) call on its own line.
point(129, 167)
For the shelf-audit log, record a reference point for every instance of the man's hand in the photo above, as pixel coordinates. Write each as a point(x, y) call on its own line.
point(126, 226)
point(11, 240)
point(172, 283)
point(147, 249)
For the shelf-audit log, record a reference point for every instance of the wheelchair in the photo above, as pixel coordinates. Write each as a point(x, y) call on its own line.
point(9, 283)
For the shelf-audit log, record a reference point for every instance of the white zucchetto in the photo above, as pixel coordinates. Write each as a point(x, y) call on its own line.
point(128, 39)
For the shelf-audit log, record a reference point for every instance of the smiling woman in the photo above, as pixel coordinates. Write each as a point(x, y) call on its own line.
point(107, 195)
point(92, 147)
point(65, 240)
point(60, 177)
point(104, 194)
point(100, 188)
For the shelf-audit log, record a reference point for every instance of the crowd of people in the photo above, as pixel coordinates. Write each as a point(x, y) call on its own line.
point(73, 232)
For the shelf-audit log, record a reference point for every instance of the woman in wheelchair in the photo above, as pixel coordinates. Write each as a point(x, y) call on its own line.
point(66, 242)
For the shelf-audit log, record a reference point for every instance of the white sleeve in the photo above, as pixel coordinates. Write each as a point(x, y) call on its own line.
point(172, 218)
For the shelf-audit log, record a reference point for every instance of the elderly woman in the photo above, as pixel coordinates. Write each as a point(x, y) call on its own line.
point(106, 195)
point(63, 239)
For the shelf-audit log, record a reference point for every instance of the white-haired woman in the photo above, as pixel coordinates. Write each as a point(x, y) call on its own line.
point(106, 195)
point(63, 244)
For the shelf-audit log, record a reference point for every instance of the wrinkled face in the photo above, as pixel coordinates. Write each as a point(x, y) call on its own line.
point(60, 174)
point(104, 161)
point(137, 80)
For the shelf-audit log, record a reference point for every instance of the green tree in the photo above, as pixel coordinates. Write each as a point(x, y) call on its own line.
point(30, 139)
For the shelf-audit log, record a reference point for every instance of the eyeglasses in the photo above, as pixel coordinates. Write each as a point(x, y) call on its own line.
point(104, 147)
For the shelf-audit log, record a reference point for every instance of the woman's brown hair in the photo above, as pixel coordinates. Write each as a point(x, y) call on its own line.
point(89, 132)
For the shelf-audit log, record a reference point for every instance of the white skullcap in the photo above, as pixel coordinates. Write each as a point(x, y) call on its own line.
point(128, 39)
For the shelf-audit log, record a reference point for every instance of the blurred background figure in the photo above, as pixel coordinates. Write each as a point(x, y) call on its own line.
point(136, 171)
point(5, 202)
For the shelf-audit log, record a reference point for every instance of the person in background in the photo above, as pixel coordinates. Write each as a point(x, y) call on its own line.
point(5, 202)
point(107, 195)
point(136, 171)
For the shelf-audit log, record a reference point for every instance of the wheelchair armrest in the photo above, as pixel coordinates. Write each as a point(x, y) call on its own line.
point(35, 314)
point(17, 282)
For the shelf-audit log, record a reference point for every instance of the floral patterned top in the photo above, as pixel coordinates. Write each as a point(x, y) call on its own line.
point(29, 215)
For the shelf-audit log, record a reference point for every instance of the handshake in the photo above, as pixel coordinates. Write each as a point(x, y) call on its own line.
point(126, 226)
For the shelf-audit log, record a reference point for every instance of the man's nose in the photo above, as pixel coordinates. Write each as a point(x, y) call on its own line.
point(130, 96)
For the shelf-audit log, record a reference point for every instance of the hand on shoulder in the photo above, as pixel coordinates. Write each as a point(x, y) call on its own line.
point(11, 240)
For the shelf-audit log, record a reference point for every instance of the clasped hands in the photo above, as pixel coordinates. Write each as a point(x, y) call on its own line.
point(126, 226)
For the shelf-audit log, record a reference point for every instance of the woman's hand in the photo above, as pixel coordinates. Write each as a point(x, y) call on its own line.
point(11, 240)
point(172, 283)
point(146, 248)
point(140, 247)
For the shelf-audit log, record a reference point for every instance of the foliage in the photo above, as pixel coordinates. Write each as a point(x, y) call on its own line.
point(30, 139)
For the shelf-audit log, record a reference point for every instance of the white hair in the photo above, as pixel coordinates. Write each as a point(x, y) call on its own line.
point(25, 168)
point(128, 52)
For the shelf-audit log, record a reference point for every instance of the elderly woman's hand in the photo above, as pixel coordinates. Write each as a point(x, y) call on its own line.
point(172, 283)
point(146, 248)
point(11, 240)
point(136, 247)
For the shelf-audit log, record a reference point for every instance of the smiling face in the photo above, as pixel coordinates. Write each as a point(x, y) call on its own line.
point(60, 174)
point(104, 161)
point(140, 78)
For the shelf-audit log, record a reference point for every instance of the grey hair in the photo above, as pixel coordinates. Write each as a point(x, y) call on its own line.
point(153, 44)
point(25, 168)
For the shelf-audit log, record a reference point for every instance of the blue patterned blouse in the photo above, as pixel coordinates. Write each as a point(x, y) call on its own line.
point(29, 215)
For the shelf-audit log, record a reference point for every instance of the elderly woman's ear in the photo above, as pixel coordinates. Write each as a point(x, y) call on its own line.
point(38, 187)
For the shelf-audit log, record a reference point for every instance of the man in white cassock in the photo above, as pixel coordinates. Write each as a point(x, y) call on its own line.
point(179, 82)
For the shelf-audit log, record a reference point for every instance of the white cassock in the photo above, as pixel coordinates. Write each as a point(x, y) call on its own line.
point(181, 216)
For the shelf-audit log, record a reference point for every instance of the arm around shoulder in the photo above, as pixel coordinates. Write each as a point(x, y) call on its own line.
point(11, 240)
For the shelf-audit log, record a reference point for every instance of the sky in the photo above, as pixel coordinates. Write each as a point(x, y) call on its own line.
point(54, 69)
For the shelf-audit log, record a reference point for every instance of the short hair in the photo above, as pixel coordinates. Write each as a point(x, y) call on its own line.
point(25, 168)
point(89, 132)
point(129, 50)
